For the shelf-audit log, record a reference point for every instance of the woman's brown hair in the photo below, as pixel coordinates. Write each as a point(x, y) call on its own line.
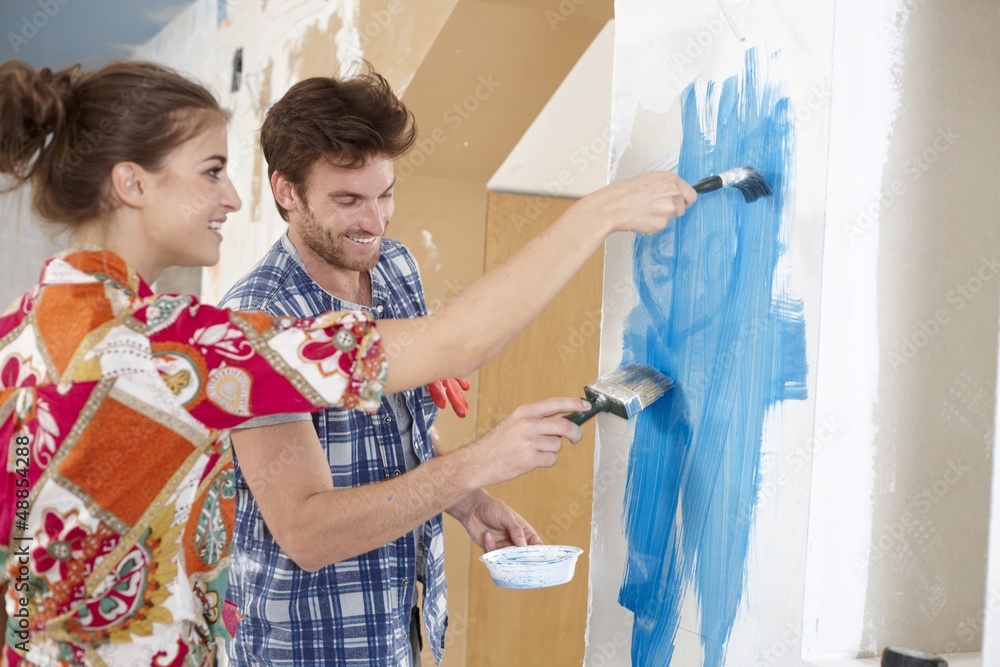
point(64, 131)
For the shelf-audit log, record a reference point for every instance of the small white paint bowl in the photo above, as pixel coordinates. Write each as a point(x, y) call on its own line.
point(533, 566)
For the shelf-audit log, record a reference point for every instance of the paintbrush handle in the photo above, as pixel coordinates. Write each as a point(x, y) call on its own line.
point(600, 404)
point(710, 184)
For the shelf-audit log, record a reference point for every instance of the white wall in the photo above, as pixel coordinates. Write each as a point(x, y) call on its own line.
point(25, 244)
point(991, 604)
point(902, 341)
point(565, 151)
point(659, 50)
point(909, 332)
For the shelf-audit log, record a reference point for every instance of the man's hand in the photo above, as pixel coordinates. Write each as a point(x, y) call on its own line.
point(317, 524)
point(491, 523)
point(528, 438)
point(445, 391)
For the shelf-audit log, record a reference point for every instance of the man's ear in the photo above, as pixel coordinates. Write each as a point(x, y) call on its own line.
point(284, 192)
point(130, 184)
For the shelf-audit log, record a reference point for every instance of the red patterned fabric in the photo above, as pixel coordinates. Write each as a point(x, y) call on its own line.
point(117, 495)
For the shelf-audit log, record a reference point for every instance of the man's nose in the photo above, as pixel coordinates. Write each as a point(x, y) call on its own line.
point(372, 219)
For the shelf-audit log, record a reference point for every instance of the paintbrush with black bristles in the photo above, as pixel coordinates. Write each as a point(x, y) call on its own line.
point(745, 179)
point(623, 392)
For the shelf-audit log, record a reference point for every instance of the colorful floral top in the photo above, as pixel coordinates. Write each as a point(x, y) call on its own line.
point(117, 497)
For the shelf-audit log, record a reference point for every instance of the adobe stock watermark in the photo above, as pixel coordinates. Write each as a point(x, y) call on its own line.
point(92, 139)
point(913, 169)
point(242, 157)
point(579, 334)
point(888, 29)
point(932, 494)
point(605, 477)
point(794, 462)
point(887, 541)
point(908, 524)
point(566, 9)
point(452, 288)
point(970, 408)
point(582, 157)
point(817, 98)
point(682, 61)
point(970, 629)
point(615, 299)
point(286, 454)
point(31, 25)
point(453, 117)
point(788, 641)
point(603, 653)
point(458, 626)
point(958, 298)
point(378, 21)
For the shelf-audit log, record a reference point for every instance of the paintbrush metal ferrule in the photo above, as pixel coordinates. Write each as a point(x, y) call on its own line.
point(623, 392)
point(745, 179)
point(733, 176)
point(630, 389)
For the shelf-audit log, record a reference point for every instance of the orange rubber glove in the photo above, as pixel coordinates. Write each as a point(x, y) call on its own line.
point(445, 391)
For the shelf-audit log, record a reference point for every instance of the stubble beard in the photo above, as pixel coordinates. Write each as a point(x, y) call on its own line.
point(331, 249)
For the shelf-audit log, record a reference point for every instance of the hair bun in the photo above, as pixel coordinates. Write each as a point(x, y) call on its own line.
point(34, 104)
point(53, 96)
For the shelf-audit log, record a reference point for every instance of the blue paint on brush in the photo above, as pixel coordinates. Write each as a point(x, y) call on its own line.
point(711, 317)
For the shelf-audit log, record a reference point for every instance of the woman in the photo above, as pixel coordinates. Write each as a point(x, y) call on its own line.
point(115, 402)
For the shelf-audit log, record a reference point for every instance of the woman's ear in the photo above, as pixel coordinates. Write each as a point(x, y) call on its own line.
point(284, 192)
point(129, 184)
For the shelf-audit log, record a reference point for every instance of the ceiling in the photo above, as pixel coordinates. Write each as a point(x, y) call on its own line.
point(58, 33)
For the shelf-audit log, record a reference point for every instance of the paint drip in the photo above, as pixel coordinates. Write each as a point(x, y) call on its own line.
point(711, 316)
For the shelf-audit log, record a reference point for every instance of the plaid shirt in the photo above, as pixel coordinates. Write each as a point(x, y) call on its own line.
point(355, 612)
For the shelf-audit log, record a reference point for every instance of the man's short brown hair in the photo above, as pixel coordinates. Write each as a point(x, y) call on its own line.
point(346, 121)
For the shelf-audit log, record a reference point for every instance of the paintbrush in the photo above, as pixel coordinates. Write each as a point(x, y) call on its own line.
point(745, 179)
point(623, 392)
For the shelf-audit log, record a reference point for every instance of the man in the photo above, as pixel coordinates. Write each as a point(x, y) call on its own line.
point(306, 596)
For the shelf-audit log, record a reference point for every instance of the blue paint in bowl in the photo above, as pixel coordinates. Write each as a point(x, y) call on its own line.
point(534, 566)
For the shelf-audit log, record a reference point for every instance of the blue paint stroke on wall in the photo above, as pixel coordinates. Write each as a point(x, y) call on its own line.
point(711, 317)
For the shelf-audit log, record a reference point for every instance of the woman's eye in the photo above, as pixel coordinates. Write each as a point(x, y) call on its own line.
point(214, 172)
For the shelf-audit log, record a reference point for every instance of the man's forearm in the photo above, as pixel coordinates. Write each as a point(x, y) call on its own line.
point(316, 524)
point(343, 523)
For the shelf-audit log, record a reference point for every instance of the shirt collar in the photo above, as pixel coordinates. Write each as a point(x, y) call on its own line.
point(102, 265)
point(380, 290)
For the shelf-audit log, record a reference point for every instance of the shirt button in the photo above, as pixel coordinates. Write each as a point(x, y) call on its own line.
point(396, 473)
point(406, 581)
point(388, 419)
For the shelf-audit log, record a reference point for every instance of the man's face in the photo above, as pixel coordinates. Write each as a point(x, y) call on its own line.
point(346, 212)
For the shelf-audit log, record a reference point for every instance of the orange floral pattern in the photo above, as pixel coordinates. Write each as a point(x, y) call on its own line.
point(116, 488)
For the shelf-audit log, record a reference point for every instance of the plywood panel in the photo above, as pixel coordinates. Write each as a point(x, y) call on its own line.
point(557, 355)
point(442, 221)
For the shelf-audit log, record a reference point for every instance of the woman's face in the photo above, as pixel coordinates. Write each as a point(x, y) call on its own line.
point(191, 196)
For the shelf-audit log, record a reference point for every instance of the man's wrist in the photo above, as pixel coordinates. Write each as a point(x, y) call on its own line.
point(465, 467)
point(461, 509)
